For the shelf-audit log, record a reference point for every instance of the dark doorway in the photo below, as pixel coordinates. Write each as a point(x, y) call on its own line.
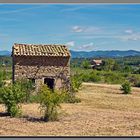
point(49, 82)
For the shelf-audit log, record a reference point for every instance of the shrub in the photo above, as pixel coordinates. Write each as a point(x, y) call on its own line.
point(50, 102)
point(85, 77)
point(76, 83)
point(27, 86)
point(126, 88)
point(1, 79)
point(91, 77)
point(108, 64)
point(135, 80)
point(70, 97)
point(86, 64)
point(12, 96)
point(113, 78)
point(34, 99)
point(1, 83)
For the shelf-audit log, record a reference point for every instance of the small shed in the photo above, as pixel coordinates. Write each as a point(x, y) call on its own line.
point(96, 63)
point(43, 64)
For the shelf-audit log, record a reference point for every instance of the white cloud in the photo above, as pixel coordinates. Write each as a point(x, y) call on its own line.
point(132, 37)
point(77, 29)
point(88, 46)
point(129, 31)
point(85, 29)
point(70, 44)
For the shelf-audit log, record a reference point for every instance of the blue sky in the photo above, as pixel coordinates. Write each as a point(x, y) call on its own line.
point(80, 26)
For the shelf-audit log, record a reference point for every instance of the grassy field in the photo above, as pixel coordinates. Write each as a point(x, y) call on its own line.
point(104, 111)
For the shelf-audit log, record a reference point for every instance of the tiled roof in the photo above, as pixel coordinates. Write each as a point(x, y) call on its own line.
point(98, 61)
point(40, 50)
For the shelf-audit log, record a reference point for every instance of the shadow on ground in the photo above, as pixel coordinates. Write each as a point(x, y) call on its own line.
point(4, 114)
point(28, 118)
point(34, 119)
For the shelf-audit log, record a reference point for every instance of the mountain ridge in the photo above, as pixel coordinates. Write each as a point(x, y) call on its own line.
point(98, 53)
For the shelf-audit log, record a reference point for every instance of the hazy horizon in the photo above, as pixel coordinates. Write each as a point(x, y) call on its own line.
point(87, 50)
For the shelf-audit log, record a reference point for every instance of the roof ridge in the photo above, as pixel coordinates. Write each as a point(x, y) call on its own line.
point(36, 50)
point(40, 44)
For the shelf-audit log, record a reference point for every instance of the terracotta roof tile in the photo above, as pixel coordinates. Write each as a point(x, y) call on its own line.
point(98, 61)
point(40, 50)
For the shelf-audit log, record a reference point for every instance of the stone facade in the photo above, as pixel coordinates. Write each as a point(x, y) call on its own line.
point(51, 70)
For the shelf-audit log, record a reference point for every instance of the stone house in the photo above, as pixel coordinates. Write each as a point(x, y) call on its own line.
point(96, 63)
point(43, 64)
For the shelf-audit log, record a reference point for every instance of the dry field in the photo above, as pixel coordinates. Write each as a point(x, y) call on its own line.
point(104, 111)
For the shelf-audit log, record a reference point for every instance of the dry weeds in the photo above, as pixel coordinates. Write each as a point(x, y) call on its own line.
point(104, 111)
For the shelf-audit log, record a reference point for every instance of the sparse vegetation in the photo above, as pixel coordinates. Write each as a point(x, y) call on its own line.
point(114, 71)
point(104, 111)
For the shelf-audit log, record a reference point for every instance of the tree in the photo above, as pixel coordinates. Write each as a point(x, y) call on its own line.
point(127, 69)
point(116, 67)
point(86, 64)
point(109, 64)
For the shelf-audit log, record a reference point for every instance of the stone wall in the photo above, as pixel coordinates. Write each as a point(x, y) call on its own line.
point(39, 67)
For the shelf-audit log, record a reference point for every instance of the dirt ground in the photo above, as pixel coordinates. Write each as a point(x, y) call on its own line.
point(104, 111)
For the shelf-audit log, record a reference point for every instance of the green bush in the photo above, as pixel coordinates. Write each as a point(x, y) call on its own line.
point(34, 99)
point(12, 96)
point(70, 97)
point(126, 88)
point(86, 64)
point(113, 78)
point(1, 79)
point(76, 83)
point(91, 77)
point(135, 80)
point(85, 77)
point(50, 102)
point(1, 83)
point(27, 86)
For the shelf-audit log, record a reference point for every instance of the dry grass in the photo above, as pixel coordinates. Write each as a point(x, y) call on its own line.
point(104, 111)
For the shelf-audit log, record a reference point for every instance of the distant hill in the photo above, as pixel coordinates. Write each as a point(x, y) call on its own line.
point(114, 53)
point(81, 54)
point(5, 53)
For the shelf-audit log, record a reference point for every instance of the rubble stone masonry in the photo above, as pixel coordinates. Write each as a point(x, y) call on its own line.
point(40, 67)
